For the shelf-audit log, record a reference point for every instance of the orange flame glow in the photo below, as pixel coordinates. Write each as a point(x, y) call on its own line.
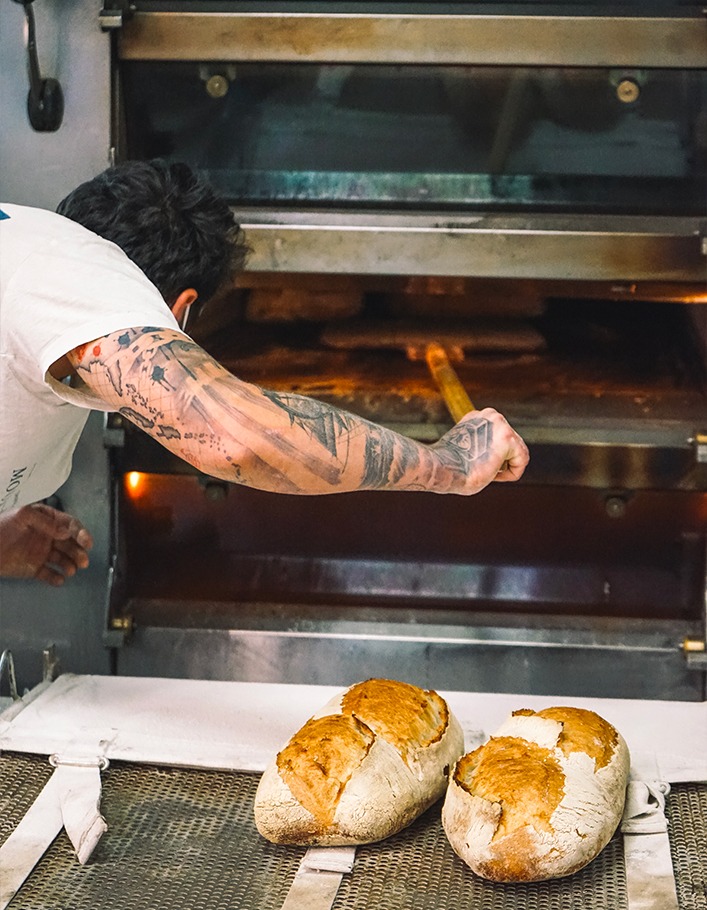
point(134, 483)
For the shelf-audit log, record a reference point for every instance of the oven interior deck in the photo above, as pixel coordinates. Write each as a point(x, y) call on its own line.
point(596, 361)
point(607, 519)
point(179, 839)
point(589, 572)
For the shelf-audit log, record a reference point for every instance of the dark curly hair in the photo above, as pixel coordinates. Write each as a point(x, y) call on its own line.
point(167, 219)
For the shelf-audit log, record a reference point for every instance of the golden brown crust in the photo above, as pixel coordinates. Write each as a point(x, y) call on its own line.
point(514, 859)
point(584, 731)
point(539, 800)
point(366, 765)
point(407, 717)
point(317, 764)
point(523, 778)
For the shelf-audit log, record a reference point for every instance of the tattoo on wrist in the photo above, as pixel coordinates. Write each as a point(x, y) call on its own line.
point(470, 442)
point(388, 458)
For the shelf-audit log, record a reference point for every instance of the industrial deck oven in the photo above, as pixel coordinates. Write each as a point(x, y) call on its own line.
point(532, 177)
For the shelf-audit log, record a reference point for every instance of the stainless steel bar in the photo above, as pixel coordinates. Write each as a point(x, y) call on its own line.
point(446, 39)
point(586, 247)
point(634, 667)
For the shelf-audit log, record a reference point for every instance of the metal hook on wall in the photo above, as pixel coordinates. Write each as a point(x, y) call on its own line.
point(45, 101)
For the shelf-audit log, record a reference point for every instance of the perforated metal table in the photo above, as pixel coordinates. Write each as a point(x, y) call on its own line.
point(183, 839)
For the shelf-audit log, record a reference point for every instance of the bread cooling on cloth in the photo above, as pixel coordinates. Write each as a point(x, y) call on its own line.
point(541, 798)
point(365, 766)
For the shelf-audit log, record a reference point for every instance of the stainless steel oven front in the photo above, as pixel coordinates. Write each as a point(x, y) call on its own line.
point(541, 166)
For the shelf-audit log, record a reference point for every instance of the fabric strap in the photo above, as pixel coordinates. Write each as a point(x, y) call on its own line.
point(318, 878)
point(70, 799)
point(650, 878)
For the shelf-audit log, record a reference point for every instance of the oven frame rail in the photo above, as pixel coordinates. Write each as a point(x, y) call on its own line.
point(419, 34)
point(625, 658)
point(577, 247)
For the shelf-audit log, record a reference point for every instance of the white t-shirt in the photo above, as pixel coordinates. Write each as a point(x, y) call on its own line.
point(60, 286)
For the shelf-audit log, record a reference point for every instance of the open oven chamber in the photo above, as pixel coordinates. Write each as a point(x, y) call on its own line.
point(532, 174)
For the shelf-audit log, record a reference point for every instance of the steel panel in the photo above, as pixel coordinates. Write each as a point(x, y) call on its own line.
point(448, 39)
point(586, 247)
point(632, 664)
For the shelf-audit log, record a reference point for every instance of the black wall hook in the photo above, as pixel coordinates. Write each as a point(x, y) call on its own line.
point(45, 101)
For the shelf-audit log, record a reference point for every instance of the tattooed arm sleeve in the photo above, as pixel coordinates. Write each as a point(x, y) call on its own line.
point(173, 390)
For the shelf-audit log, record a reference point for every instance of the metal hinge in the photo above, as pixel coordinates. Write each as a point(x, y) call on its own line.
point(114, 14)
point(699, 440)
point(119, 626)
point(695, 649)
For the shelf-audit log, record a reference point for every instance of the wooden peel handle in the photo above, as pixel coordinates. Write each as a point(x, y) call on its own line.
point(454, 394)
point(450, 386)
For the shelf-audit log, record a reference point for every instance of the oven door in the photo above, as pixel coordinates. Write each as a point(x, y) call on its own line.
point(458, 139)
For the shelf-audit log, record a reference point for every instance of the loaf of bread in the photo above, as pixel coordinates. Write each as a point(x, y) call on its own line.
point(541, 798)
point(365, 766)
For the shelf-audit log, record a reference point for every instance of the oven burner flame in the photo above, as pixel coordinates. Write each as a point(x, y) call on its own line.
point(135, 483)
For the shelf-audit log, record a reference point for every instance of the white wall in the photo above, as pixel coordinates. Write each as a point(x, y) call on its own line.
point(41, 168)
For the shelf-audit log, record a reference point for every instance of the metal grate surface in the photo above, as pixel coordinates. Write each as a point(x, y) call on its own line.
point(185, 840)
point(686, 809)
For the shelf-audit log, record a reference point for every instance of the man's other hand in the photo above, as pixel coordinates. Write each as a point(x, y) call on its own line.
point(40, 542)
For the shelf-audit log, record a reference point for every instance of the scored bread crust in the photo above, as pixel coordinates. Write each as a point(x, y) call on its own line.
point(361, 769)
point(541, 799)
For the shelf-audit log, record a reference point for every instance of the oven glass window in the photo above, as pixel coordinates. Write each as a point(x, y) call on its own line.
point(496, 138)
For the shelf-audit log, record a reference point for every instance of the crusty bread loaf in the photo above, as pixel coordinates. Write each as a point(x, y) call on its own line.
point(541, 798)
point(364, 767)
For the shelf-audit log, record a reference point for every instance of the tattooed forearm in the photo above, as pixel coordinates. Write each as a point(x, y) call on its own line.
point(325, 424)
point(173, 390)
point(387, 456)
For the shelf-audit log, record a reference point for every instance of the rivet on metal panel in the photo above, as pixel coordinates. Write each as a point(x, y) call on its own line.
point(628, 91)
point(615, 506)
point(217, 86)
